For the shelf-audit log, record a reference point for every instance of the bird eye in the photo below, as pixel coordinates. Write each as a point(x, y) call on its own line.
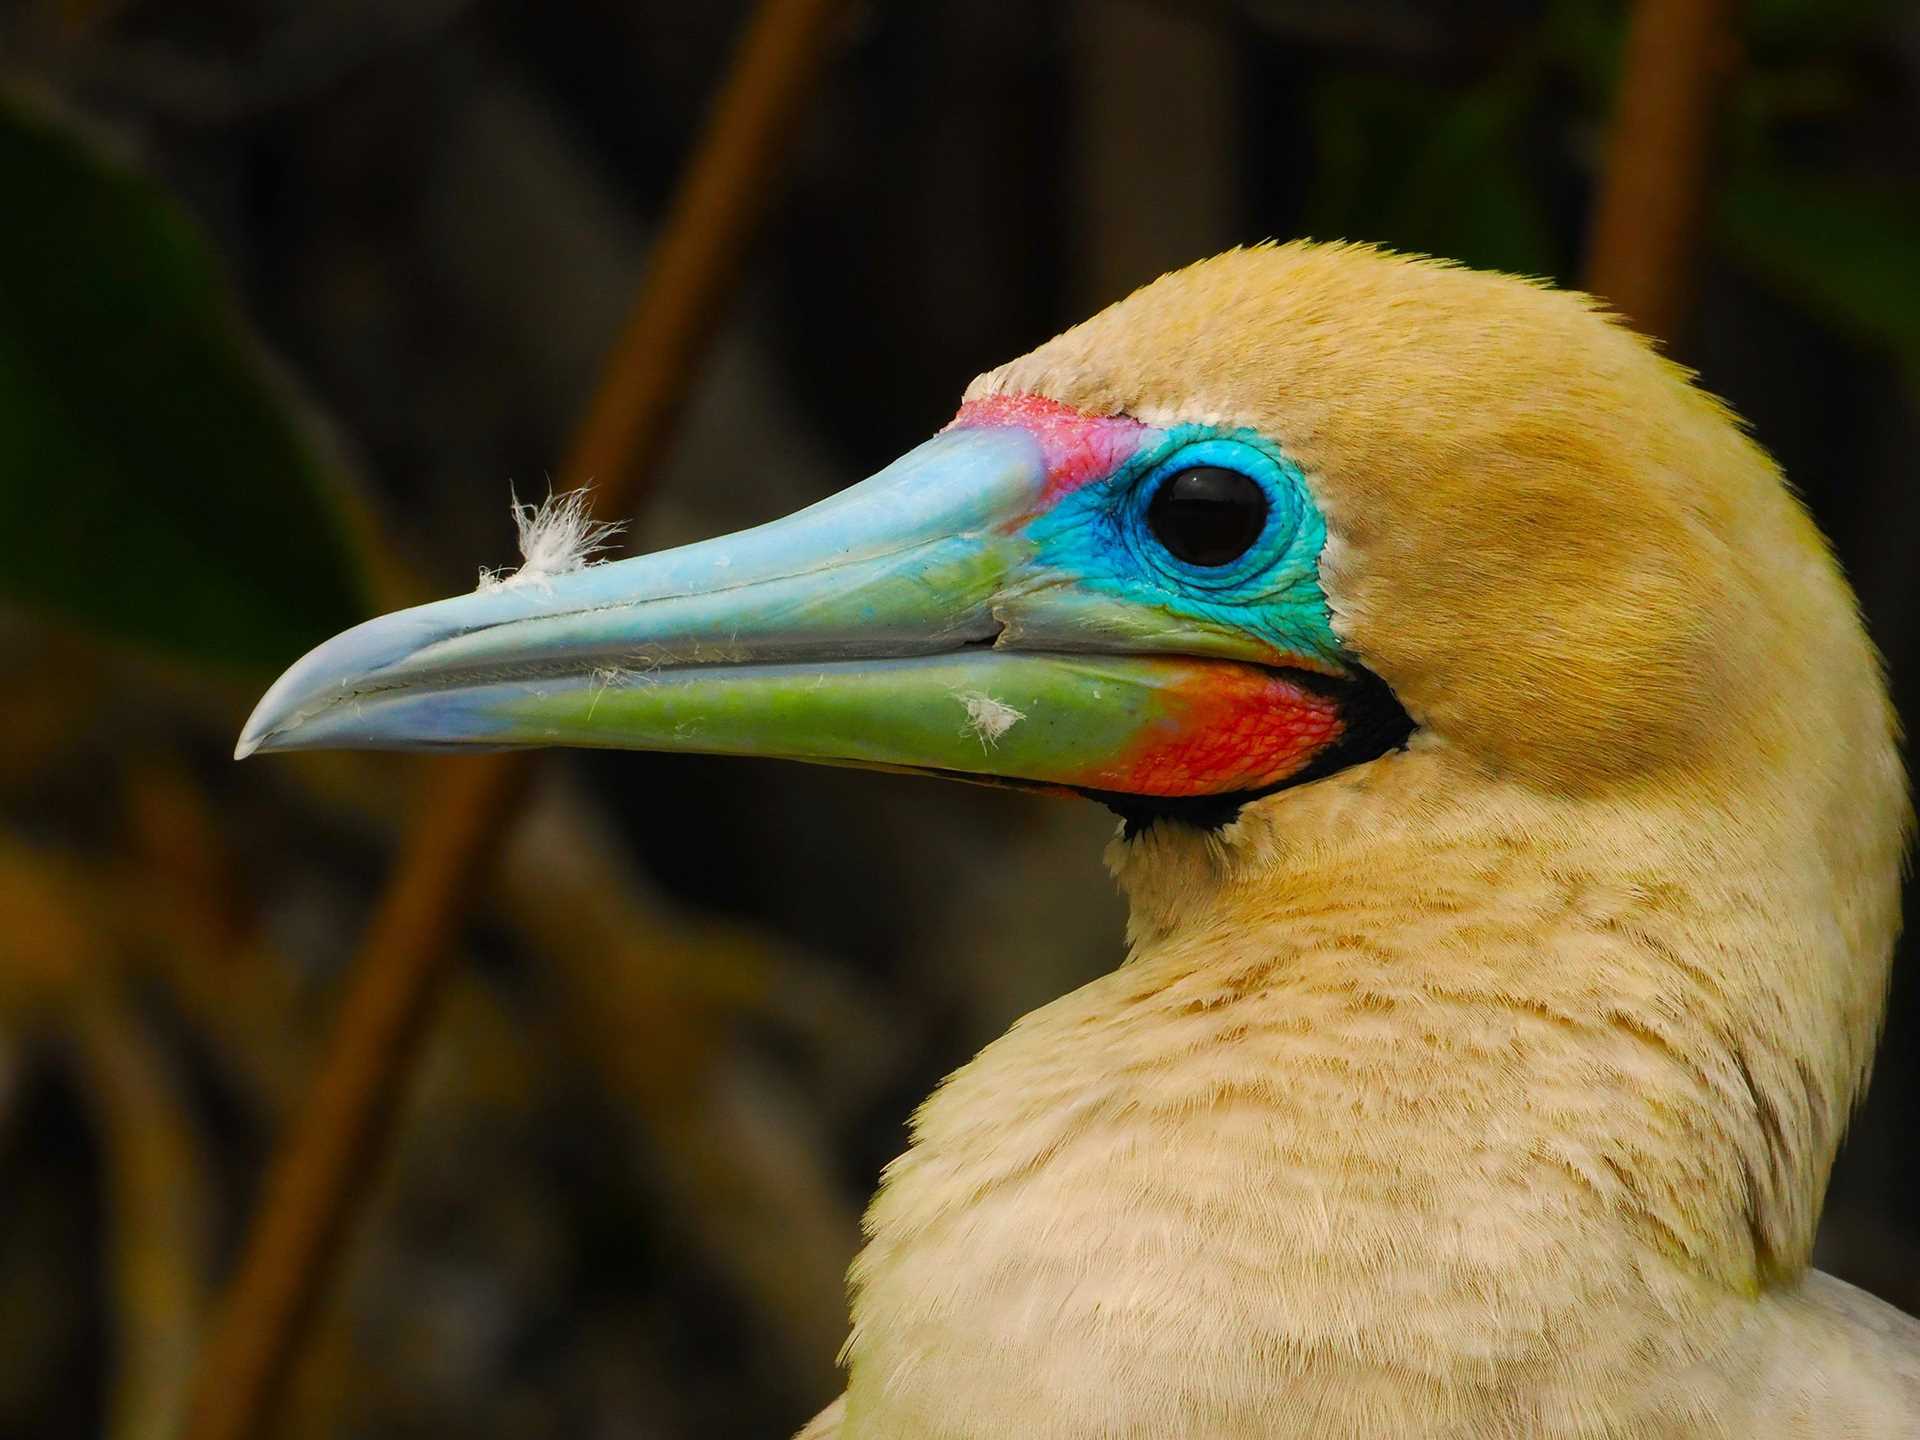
point(1208, 515)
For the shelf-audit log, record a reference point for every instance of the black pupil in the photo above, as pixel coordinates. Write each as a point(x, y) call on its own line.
point(1208, 515)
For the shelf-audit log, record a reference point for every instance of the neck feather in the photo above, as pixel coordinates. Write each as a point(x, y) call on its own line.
point(1672, 1000)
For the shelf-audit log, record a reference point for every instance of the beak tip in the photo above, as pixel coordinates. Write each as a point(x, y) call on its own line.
point(271, 725)
point(255, 736)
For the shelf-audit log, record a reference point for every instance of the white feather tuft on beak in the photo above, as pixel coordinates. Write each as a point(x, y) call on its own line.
point(557, 537)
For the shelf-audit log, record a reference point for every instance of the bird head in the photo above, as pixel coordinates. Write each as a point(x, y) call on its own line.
point(1259, 523)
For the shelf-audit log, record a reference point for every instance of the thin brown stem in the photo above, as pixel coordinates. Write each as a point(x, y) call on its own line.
point(1647, 218)
point(319, 1178)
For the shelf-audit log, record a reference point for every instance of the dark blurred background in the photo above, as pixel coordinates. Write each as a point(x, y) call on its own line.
point(290, 292)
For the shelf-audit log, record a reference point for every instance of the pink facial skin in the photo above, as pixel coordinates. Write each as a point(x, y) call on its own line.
point(1079, 448)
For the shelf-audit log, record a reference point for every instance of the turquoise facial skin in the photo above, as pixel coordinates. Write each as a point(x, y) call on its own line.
point(1265, 607)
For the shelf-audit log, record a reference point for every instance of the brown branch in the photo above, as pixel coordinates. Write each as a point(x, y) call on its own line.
point(1647, 218)
point(318, 1180)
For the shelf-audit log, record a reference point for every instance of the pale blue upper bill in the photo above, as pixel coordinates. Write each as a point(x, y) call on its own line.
point(898, 565)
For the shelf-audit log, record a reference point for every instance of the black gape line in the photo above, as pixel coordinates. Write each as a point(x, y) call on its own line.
point(1373, 724)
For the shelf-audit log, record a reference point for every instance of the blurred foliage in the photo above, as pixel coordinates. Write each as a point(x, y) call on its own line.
point(1845, 250)
point(156, 478)
point(1442, 172)
point(702, 998)
point(1463, 166)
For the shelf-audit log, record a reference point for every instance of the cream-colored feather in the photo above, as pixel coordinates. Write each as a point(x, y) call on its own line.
point(1489, 1088)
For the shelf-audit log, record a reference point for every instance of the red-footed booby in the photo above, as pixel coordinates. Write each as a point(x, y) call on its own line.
point(1513, 826)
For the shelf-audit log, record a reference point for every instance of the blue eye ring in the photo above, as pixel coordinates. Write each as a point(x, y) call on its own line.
point(1253, 461)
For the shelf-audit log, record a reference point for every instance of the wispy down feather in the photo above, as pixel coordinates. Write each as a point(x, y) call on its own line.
point(557, 537)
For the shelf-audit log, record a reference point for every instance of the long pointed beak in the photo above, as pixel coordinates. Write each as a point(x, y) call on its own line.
point(863, 630)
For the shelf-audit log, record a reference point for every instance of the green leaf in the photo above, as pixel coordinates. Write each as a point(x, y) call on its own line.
point(157, 480)
point(1843, 250)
